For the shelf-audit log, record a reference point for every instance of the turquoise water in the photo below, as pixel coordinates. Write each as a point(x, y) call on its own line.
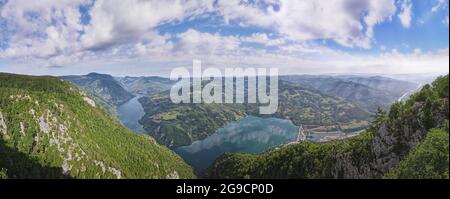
point(250, 135)
point(130, 113)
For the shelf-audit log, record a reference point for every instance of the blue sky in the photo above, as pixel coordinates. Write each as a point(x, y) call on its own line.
point(153, 37)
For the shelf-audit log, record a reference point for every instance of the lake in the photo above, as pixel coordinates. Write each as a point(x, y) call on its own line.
point(130, 113)
point(252, 135)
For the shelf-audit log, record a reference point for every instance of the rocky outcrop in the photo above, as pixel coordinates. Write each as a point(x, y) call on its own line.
point(392, 141)
point(89, 101)
point(3, 126)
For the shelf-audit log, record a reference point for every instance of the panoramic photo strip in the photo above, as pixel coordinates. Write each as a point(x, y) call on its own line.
point(245, 92)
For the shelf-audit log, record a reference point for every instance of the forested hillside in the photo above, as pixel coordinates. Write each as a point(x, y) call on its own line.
point(50, 129)
point(104, 89)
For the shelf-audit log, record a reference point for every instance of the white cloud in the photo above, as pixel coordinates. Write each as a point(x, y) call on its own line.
point(156, 44)
point(264, 39)
point(439, 4)
point(117, 21)
point(47, 32)
point(48, 28)
point(405, 15)
point(339, 20)
point(41, 28)
point(261, 38)
point(193, 42)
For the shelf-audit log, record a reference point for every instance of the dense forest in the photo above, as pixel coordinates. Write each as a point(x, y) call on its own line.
point(50, 129)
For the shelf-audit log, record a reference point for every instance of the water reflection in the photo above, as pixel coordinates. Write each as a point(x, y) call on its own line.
point(250, 135)
point(130, 113)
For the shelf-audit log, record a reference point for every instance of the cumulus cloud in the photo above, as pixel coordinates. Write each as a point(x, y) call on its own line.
point(439, 4)
point(405, 15)
point(198, 43)
point(289, 34)
point(339, 20)
point(41, 28)
point(264, 39)
point(116, 21)
point(48, 28)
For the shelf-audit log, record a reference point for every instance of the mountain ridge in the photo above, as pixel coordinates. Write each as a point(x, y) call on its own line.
point(103, 88)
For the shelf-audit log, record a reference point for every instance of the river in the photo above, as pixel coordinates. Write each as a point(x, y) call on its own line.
point(409, 93)
point(251, 135)
point(130, 113)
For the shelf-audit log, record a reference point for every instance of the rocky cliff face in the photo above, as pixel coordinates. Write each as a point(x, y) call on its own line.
point(390, 144)
point(395, 139)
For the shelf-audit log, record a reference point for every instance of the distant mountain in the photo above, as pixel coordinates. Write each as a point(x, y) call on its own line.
point(305, 106)
point(391, 86)
point(103, 88)
point(408, 141)
point(146, 85)
point(367, 92)
point(422, 78)
point(51, 129)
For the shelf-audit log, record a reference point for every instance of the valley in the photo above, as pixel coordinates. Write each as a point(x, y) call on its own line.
point(205, 135)
point(302, 100)
point(328, 107)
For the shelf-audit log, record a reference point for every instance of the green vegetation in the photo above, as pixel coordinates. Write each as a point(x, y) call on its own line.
point(175, 125)
point(399, 144)
point(48, 129)
point(146, 85)
point(428, 160)
point(311, 108)
point(306, 160)
point(3, 174)
point(104, 89)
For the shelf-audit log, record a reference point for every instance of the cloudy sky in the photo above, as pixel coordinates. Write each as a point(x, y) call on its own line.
point(151, 37)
